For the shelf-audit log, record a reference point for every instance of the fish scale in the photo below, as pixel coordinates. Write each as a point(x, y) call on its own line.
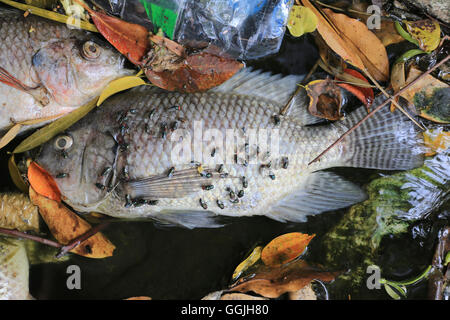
point(283, 186)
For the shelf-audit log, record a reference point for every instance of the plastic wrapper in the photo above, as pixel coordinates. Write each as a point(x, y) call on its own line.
point(241, 29)
point(245, 30)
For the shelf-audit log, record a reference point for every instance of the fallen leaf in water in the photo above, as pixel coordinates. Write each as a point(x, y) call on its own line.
point(426, 32)
point(16, 176)
point(353, 41)
point(128, 38)
point(248, 262)
point(301, 20)
point(429, 95)
point(398, 79)
point(272, 282)
point(387, 33)
point(168, 67)
point(118, 85)
point(285, 248)
point(42, 182)
point(65, 226)
point(365, 95)
point(325, 99)
point(436, 140)
point(364, 43)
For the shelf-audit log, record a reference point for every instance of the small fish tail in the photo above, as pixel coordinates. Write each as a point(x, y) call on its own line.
point(387, 141)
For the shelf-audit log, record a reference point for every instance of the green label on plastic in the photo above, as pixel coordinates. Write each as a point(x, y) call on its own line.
point(161, 17)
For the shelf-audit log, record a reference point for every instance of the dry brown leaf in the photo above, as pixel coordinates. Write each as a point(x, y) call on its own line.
point(364, 43)
point(65, 226)
point(273, 282)
point(325, 99)
point(333, 39)
point(168, 67)
point(240, 296)
point(285, 248)
point(421, 95)
point(387, 33)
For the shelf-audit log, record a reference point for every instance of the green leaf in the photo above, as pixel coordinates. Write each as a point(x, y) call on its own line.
point(391, 292)
point(405, 34)
point(301, 20)
point(46, 133)
point(120, 85)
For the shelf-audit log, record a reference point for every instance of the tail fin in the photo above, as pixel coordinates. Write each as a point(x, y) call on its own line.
point(387, 140)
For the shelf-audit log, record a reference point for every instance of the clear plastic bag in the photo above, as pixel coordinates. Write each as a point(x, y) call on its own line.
point(244, 29)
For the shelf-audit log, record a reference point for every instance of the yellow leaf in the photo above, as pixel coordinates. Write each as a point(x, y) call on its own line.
point(11, 134)
point(301, 20)
point(437, 140)
point(426, 32)
point(120, 85)
point(16, 177)
point(52, 15)
point(429, 95)
point(244, 265)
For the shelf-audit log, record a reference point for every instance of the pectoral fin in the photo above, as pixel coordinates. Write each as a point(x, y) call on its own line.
point(322, 191)
point(39, 93)
point(178, 185)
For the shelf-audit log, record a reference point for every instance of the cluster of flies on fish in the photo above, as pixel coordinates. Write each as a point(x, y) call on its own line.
point(164, 127)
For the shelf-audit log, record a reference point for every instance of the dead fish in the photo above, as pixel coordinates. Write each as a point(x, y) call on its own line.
point(14, 270)
point(48, 69)
point(250, 99)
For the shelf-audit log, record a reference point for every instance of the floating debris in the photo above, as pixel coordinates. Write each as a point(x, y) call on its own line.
point(285, 162)
point(240, 193)
point(208, 187)
point(244, 182)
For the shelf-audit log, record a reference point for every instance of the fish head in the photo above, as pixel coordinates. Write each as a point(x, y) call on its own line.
point(75, 71)
point(77, 159)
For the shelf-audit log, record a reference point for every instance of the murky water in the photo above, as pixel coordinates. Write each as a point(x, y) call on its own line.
point(175, 263)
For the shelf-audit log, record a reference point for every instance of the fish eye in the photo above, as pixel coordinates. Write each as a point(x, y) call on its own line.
point(91, 50)
point(63, 142)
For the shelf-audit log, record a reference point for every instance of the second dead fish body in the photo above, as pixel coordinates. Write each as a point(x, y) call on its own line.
point(246, 179)
point(47, 69)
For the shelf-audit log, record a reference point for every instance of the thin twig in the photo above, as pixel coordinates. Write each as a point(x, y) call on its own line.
point(367, 73)
point(379, 107)
point(75, 242)
point(288, 104)
point(19, 234)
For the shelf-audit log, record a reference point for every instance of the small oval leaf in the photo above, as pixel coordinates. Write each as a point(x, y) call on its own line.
point(248, 262)
point(301, 20)
point(285, 248)
point(42, 182)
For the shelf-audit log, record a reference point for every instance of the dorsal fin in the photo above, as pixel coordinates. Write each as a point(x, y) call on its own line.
point(276, 88)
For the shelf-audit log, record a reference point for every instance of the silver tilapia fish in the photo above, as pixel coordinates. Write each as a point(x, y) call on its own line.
point(188, 158)
point(48, 69)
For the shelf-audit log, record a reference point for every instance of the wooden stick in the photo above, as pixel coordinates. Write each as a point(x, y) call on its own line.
point(379, 107)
